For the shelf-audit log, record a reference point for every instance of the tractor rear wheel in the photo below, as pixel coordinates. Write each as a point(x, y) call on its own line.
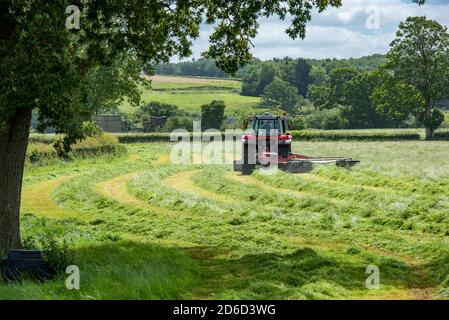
point(247, 169)
point(284, 150)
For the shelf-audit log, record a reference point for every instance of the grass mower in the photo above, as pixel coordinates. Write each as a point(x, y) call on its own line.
point(267, 143)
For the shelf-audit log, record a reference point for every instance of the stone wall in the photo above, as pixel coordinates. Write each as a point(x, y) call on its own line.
point(109, 122)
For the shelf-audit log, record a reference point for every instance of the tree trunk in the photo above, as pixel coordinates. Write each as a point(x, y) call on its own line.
point(13, 145)
point(428, 116)
point(429, 133)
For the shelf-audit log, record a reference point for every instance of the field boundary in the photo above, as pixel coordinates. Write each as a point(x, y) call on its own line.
point(298, 135)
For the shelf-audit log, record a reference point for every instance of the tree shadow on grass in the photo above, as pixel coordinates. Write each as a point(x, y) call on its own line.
point(302, 274)
point(119, 270)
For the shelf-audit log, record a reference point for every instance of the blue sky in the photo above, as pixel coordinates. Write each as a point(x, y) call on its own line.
point(339, 33)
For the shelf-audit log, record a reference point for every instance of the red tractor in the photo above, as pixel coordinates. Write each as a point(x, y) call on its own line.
point(267, 143)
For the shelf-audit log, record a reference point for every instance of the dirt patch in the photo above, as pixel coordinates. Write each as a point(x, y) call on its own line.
point(116, 189)
point(38, 199)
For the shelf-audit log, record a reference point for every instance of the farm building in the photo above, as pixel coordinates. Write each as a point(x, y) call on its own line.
point(109, 122)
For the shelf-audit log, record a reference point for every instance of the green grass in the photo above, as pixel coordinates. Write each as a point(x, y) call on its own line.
point(190, 96)
point(218, 84)
point(422, 159)
point(142, 228)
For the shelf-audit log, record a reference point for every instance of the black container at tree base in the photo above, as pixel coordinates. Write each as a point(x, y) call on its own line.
point(31, 263)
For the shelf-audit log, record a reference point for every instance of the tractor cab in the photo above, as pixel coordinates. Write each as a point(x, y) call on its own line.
point(272, 129)
point(267, 124)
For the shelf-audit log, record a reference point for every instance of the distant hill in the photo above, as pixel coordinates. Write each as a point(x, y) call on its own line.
point(366, 63)
point(195, 68)
point(207, 68)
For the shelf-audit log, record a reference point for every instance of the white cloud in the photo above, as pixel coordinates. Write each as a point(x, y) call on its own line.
point(321, 42)
point(338, 33)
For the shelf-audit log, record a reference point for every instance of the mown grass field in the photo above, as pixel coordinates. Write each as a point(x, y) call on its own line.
point(189, 94)
point(142, 228)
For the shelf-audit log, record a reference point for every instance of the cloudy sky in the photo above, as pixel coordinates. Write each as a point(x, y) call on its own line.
point(358, 28)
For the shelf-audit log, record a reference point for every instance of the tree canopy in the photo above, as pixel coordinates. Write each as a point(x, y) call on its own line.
point(212, 115)
point(419, 62)
point(302, 76)
point(360, 110)
point(280, 94)
point(337, 79)
point(108, 86)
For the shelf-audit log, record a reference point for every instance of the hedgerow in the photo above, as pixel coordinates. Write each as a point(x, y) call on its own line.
point(372, 135)
point(441, 135)
point(305, 135)
point(298, 135)
point(41, 150)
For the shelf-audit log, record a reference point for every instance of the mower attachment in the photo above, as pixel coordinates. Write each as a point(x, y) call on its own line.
point(298, 165)
point(339, 161)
